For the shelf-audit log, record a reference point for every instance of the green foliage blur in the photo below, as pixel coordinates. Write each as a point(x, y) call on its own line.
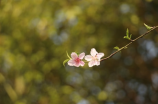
point(34, 38)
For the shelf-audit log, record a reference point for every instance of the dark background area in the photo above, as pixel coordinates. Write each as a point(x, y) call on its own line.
point(34, 38)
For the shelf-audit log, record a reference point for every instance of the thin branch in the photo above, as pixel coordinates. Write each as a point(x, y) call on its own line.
point(129, 43)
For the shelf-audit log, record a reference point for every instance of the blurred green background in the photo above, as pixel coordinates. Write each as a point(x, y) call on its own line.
point(34, 38)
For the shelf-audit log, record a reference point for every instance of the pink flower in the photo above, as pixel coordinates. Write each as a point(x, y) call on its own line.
point(76, 60)
point(94, 58)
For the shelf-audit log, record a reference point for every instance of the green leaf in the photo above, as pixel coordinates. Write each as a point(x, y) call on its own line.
point(127, 33)
point(68, 55)
point(116, 48)
point(65, 61)
point(148, 27)
point(125, 37)
point(130, 36)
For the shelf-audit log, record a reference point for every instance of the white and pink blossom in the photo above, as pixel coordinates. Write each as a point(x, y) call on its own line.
point(76, 60)
point(94, 58)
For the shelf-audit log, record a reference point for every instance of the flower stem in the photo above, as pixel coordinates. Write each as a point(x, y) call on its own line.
point(131, 41)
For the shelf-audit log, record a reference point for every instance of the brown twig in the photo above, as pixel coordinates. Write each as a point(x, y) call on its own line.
point(131, 41)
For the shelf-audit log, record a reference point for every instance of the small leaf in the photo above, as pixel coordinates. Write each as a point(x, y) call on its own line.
point(130, 36)
point(127, 32)
point(125, 37)
point(65, 61)
point(148, 27)
point(116, 48)
point(68, 55)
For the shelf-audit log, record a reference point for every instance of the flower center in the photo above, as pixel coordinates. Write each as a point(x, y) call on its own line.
point(95, 58)
point(77, 60)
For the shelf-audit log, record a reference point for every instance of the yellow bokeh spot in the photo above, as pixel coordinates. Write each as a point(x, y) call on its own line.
point(71, 13)
point(66, 89)
point(20, 85)
point(16, 11)
point(102, 95)
point(134, 19)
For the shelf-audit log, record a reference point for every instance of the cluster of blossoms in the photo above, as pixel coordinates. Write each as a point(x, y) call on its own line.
point(93, 58)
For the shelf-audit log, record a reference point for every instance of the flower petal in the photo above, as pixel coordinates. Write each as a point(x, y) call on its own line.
point(88, 57)
point(82, 63)
point(93, 52)
point(91, 63)
point(76, 64)
point(71, 62)
point(74, 55)
point(81, 56)
point(97, 63)
point(100, 55)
